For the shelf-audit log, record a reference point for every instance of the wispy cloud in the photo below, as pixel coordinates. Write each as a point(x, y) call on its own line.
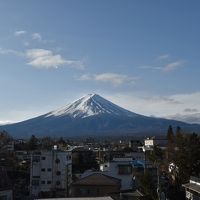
point(150, 67)
point(193, 118)
point(164, 99)
point(164, 64)
point(160, 106)
point(112, 78)
point(20, 32)
point(4, 51)
point(42, 58)
point(163, 57)
point(190, 110)
point(36, 36)
point(173, 65)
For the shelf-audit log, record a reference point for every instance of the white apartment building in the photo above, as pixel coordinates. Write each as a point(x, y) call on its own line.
point(120, 168)
point(50, 171)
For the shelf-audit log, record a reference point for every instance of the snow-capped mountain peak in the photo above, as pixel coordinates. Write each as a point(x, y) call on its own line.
point(89, 105)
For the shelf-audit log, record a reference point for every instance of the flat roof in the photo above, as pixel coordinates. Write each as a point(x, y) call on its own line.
point(192, 186)
point(80, 198)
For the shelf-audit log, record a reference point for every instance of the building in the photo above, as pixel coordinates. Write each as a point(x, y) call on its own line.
point(134, 144)
point(81, 198)
point(83, 159)
point(192, 189)
point(120, 168)
point(96, 185)
point(51, 172)
point(5, 186)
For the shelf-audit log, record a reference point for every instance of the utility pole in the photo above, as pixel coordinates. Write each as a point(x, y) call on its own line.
point(158, 181)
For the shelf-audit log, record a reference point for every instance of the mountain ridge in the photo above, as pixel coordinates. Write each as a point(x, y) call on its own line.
point(89, 105)
point(93, 115)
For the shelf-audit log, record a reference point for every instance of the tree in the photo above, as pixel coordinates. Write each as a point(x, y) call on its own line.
point(47, 143)
point(186, 157)
point(170, 134)
point(156, 156)
point(32, 143)
point(147, 185)
point(170, 145)
point(5, 138)
point(179, 134)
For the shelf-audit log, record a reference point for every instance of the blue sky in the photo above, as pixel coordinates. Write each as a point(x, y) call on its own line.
point(142, 55)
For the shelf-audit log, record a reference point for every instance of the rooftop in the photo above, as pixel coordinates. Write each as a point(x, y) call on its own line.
point(97, 179)
point(83, 198)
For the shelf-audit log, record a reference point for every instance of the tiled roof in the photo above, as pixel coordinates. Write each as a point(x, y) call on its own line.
point(98, 179)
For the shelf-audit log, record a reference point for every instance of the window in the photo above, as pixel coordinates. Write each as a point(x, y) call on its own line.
point(57, 160)
point(35, 182)
point(49, 169)
point(58, 173)
point(124, 169)
point(48, 182)
point(36, 158)
point(42, 182)
point(43, 169)
point(57, 182)
point(43, 158)
point(35, 176)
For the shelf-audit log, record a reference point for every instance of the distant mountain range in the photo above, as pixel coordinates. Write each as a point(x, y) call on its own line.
point(92, 115)
point(188, 118)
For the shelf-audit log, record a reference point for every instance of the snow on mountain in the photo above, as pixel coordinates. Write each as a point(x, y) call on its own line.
point(92, 115)
point(90, 105)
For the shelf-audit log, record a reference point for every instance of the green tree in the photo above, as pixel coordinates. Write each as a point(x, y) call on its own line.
point(170, 134)
point(170, 144)
point(156, 156)
point(147, 184)
point(187, 157)
point(32, 144)
point(47, 143)
point(5, 138)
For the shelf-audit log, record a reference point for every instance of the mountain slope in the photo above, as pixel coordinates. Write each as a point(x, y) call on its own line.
point(93, 115)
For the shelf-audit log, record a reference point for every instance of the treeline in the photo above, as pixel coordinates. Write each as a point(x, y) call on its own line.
point(33, 143)
point(183, 150)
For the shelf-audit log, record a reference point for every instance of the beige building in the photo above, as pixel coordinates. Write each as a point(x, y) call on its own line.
point(51, 171)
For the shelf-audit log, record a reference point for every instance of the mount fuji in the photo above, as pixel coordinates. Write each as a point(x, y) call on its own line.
point(92, 115)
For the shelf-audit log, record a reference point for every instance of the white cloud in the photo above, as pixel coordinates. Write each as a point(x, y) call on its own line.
point(26, 44)
point(112, 78)
point(189, 118)
point(166, 68)
point(160, 106)
point(162, 63)
point(190, 110)
point(163, 57)
point(173, 65)
point(10, 51)
point(42, 58)
point(36, 36)
point(19, 33)
point(150, 67)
